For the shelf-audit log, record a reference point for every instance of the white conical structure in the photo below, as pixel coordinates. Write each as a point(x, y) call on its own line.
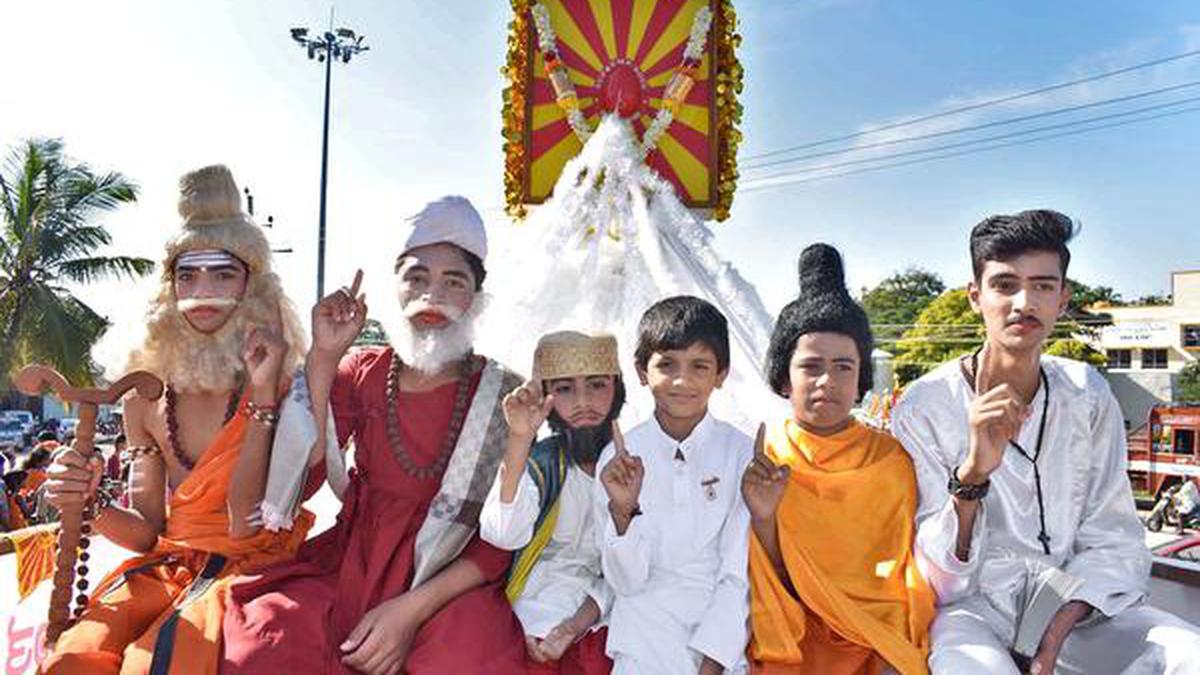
point(613, 239)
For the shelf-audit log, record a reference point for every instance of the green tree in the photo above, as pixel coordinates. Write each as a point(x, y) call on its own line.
point(946, 328)
point(48, 240)
point(1070, 348)
point(1189, 383)
point(1153, 300)
point(895, 303)
point(1083, 295)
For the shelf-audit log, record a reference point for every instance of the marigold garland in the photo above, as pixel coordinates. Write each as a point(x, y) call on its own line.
point(515, 70)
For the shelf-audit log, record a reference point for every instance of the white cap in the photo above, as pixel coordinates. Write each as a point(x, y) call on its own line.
point(449, 220)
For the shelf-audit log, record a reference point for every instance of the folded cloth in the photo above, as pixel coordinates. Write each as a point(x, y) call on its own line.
point(295, 436)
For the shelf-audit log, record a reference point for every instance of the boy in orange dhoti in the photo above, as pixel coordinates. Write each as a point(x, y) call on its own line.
point(834, 587)
point(220, 333)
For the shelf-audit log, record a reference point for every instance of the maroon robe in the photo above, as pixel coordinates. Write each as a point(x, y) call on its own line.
point(292, 617)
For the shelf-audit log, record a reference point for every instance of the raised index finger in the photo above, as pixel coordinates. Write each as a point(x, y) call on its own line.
point(760, 450)
point(618, 439)
point(983, 376)
point(354, 286)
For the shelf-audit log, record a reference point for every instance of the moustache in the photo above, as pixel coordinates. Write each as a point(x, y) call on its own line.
point(418, 307)
point(1031, 320)
point(189, 304)
point(584, 414)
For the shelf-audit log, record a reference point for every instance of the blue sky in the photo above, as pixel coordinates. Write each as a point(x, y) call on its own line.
point(156, 88)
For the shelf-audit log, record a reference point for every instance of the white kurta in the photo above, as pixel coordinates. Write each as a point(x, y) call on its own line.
point(568, 569)
point(1089, 510)
point(680, 570)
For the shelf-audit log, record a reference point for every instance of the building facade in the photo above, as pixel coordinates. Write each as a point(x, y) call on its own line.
point(1148, 345)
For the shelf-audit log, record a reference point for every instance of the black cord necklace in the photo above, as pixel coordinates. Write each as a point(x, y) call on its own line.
point(1043, 536)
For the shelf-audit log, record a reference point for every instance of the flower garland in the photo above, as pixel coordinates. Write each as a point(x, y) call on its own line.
point(681, 82)
point(514, 110)
point(728, 85)
point(564, 89)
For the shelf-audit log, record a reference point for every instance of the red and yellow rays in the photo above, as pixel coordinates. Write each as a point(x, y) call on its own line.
point(651, 35)
point(697, 153)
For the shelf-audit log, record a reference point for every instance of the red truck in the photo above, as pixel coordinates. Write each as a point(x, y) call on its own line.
point(1165, 450)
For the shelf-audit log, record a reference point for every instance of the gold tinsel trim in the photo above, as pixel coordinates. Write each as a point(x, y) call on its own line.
point(516, 72)
point(729, 76)
point(729, 109)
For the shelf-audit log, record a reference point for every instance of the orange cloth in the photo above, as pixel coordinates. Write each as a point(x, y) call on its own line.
point(35, 548)
point(117, 633)
point(846, 527)
point(33, 480)
point(25, 498)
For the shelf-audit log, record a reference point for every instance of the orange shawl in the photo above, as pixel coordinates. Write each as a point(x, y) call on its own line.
point(197, 524)
point(846, 528)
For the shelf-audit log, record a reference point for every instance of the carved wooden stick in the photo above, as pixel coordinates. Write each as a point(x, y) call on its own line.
point(33, 381)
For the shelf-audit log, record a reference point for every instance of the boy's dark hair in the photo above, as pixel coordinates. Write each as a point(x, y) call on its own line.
point(823, 306)
point(38, 458)
point(477, 269)
point(678, 323)
point(1004, 237)
point(473, 261)
point(558, 424)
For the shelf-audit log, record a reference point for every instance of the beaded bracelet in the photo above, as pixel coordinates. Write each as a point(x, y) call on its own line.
point(264, 415)
point(134, 451)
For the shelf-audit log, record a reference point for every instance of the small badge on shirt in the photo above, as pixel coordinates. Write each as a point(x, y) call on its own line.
point(710, 487)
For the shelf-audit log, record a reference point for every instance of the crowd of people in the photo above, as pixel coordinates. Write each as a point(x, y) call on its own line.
point(494, 525)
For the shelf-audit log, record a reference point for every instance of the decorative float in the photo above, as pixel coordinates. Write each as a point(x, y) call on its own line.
point(620, 141)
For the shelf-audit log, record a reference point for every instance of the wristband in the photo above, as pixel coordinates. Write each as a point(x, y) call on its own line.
point(967, 491)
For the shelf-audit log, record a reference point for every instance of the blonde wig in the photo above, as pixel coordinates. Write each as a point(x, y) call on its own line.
point(211, 207)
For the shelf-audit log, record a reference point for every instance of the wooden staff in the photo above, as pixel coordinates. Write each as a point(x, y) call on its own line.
point(36, 380)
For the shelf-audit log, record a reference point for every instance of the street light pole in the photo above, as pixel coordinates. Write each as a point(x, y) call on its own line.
point(340, 44)
point(324, 183)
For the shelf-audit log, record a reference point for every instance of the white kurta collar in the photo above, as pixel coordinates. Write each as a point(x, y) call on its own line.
point(689, 445)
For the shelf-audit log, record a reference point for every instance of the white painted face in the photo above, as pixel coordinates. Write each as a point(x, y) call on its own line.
point(435, 286)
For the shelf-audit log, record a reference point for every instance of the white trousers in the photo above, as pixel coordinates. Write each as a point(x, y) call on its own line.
point(1139, 641)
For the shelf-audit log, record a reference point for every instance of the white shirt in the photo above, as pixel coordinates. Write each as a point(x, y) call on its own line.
point(1094, 530)
point(1187, 498)
point(568, 569)
point(679, 571)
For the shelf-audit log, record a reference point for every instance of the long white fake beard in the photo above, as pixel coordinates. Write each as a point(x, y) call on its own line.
point(430, 350)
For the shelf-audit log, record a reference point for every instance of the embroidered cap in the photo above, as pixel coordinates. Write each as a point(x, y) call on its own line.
point(574, 354)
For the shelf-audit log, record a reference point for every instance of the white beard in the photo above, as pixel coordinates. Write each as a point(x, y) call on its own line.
point(430, 350)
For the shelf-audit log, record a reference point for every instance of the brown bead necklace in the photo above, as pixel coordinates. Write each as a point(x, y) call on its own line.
point(467, 369)
point(173, 422)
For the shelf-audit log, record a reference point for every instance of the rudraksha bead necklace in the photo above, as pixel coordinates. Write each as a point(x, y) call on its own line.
point(466, 370)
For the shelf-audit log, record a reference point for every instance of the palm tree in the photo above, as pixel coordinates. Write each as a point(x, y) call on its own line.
point(48, 240)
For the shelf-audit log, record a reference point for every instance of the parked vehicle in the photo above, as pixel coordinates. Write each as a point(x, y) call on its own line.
point(12, 433)
point(25, 417)
point(1165, 451)
point(1167, 512)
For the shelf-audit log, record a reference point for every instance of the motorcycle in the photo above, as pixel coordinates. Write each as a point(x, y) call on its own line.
point(1165, 512)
